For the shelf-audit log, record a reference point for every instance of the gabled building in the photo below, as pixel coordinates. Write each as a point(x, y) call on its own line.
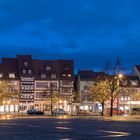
point(131, 98)
point(85, 81)
point(36, 79)
point(136, 71)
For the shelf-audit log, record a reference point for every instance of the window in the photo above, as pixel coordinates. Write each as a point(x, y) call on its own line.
point(86, 87)
point(66, 68)
point(48, 68)
point(53, 75)
point(43, 75)
point(11, 75)
point(12, 82)
point(53, 84)
point(64, 75)
point(134, 83)
point(11, 90)
point(25, 64)
point(41, 85)
point(66, 90)
point(66, 82)
point(125, 83)
point(27, 87)
point(24, 71)
point(69, 75)
point(1, 75)
point(29, 71)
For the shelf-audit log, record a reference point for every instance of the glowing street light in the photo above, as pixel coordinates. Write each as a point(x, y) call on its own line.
point(3, 102)
point(120, 76)
point(8, 102)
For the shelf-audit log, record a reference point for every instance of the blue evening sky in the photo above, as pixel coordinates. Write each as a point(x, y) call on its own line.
point(91, 32)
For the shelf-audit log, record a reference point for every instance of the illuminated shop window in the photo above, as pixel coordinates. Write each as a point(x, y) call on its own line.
point(24, 71)
point(1, 75)
point(11, 75)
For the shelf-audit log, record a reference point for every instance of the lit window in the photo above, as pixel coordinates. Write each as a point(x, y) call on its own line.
point(25, 64)
point(129, 98)
point(11, 75)
point(134, 83)
point(66, 68)
point(1, 75)
point(24, 71)
point(64, 75)
point(48, 68)
point(53, 76)
point(29, 71)
point(43, 75)
point(69, 75)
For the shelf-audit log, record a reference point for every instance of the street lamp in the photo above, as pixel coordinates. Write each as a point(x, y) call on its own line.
point(3, 102)
point(8, 102)
point(119, 77)
point(51, 92)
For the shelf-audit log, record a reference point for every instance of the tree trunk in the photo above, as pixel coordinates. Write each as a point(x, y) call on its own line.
point(111, 108)
point(102, 113)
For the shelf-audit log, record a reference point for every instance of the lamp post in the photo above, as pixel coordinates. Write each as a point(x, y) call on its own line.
point(3, 102)
point(8, 106)
point(120, 76)
point(51, 92)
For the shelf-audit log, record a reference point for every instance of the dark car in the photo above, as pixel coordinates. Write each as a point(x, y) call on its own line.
point(115, 111)
point(34, 112)
point(82, 113)
point(135, 111)
point(59, 111)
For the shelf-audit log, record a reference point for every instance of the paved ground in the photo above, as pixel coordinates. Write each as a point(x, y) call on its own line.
point(68, 128)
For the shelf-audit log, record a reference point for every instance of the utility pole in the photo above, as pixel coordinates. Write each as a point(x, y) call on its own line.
point(51, 91)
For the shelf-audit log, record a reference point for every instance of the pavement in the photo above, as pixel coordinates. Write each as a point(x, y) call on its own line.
point(131, 118)
point(69, 128)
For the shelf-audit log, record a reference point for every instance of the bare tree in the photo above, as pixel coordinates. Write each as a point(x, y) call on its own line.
point(112, 80)
point(4, 93)
point(99, 93)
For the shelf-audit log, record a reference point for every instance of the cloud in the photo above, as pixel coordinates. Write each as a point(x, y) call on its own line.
point(88, 31)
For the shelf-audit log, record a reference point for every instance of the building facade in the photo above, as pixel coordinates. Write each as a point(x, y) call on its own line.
point(85, 81)
point(37, 80)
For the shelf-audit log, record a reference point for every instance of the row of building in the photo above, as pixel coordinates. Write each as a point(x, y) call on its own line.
point(34, 80)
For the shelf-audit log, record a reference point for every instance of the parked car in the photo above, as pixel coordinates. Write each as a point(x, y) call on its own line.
point(135, 111)
point(34, 112)
point(82, 113)
point(59, 111)
point(116, 111)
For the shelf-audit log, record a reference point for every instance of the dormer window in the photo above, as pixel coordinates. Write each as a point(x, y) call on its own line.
point(25, 64)
point(69, 75)
point(11, 75)
point(53, 75)
point(24, 71)
point(43, 75)
point(64, 75)
point(29, 71)
point(48, 68)
point(1, 75)
point(66, 68)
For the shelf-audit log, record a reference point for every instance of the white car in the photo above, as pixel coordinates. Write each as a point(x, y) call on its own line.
point(59, 111)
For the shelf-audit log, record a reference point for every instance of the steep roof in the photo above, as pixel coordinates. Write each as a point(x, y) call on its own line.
point(138, 67)
point(89, 75)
